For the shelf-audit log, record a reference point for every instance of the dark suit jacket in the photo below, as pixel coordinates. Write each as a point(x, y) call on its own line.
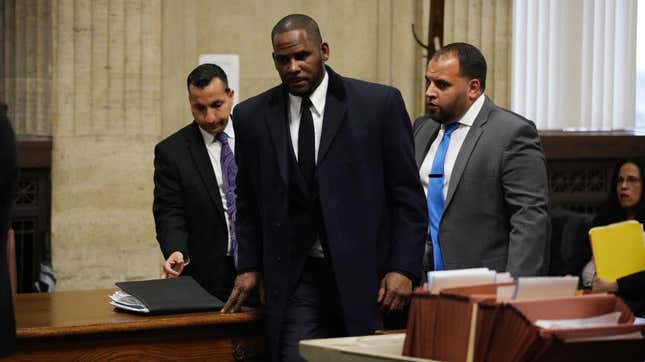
point(632, 289)
point(496, 208)
point(371, 200)
point(570, 248)
point(188, 211)
point(8, 179)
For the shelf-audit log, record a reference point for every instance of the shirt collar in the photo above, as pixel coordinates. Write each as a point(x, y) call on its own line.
point(469, 117)
point(209, 138)
point(317, 97)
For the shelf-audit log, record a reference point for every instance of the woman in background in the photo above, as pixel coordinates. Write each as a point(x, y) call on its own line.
point(625, 202)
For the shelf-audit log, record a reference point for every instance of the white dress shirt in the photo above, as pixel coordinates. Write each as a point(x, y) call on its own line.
point(456, 140)
point(214, 148)
point(318, 98)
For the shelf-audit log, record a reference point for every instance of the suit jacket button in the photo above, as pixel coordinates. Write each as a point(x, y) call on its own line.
point(278, 259)
point(276, 226)
point(275, 292)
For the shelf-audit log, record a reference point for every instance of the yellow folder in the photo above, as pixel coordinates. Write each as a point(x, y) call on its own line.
point(618, 249)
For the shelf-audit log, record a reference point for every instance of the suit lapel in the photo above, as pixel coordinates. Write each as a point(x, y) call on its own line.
point(335, 110)
point(426, 133)
point(201, 159)
point(276, 119)
point(467, 148)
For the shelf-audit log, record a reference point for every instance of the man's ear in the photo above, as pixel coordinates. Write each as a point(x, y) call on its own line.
point(275, 64)
point(474, 89)
point(324, 51)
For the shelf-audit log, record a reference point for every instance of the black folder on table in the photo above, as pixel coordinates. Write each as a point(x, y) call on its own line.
point(175, 295)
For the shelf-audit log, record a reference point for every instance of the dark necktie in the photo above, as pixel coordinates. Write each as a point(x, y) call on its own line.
point(435, 194)
point(229, 170)
point(306, 148)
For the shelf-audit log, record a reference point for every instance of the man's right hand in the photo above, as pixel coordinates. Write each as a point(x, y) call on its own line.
point(244, 284)
point(173, 266)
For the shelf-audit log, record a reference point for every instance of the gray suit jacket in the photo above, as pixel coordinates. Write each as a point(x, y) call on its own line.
point(496, 208)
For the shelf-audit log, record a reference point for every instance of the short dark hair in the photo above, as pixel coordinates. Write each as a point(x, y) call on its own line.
point(295, 22)
point(201, 76)
point(472, 63)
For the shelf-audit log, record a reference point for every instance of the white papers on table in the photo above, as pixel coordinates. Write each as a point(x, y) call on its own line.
point(599, 321)
point(123, 300)
point(604, 320)
point(438, 280)
point(526, 288)
point(639, 320)
point(545, 287)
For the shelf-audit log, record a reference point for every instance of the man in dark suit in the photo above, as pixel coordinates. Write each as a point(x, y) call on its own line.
point(330, 210)
point(191, 207)
point(8, 179)
point(484, 172)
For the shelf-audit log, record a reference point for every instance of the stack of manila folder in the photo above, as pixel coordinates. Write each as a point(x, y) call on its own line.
point(527, 319)
point(480, 315)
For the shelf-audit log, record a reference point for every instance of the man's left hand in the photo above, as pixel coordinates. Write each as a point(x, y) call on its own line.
point(603, 285)
point(244, 284)
point(394, 292)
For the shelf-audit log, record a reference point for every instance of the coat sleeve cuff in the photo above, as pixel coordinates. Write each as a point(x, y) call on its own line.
point(414, 278)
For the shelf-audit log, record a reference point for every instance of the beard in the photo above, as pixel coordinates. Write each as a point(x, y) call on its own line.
point(439, 114)
point(304, 86)
point(449, 113)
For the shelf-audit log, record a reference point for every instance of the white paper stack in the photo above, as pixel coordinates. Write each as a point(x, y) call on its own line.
point(526, 288)
point(438, 280)
point(123, 300)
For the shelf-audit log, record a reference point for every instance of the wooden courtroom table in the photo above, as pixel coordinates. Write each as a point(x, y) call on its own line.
point(81, 325)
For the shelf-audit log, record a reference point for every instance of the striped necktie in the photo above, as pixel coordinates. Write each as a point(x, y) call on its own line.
point(229, 170)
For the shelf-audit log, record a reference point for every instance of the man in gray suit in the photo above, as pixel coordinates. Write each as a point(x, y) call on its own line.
point(483, 170)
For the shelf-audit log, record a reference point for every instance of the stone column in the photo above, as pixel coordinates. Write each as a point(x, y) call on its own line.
point(106, 120)
point(26, 64)
point(399, 60)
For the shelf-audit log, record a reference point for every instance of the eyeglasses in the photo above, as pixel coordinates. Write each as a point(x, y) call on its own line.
point(630, 180)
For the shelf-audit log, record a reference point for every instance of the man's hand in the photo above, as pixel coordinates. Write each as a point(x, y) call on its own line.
point(603, 285)
point(244, 284)
point(173, 267)
point(394, 292)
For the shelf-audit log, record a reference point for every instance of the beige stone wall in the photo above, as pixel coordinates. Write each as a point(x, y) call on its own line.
point(487, 24)
point(369, 39)
point(25, 64)
point(106, 119)
point(119, 69)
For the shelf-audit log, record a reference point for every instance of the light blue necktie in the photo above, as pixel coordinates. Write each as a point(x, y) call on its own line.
point(435, 194)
